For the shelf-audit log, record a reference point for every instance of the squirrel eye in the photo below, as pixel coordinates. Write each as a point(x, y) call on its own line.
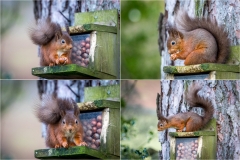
point(161, 125)
point(76, 121)
point(62, 41)
point(63, 122)
point(173, 43)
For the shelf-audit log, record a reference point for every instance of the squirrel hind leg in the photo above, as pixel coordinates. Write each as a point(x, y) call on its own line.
point(198, 57)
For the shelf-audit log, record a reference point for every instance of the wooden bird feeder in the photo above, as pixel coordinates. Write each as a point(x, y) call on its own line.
point(101, 123)
point(194, 145)
point(96, 49)
point(212, 71)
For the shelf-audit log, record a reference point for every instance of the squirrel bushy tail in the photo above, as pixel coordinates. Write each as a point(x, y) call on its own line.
point(194, 100)
point(186, 23)
point(44, 32)
point(52, 109)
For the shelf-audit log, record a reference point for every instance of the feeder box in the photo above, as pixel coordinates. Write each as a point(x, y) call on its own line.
point(96, 49)
point(194, 145)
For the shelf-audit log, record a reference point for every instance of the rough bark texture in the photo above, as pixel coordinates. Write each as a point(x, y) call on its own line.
point(225, 97)
point(63, 11)
point(225, 12)
point(70, 88)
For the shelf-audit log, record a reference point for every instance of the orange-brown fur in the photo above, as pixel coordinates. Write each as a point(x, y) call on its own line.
point(197, 41)
point(190, 120)
point(64, 128)
point(55, 44)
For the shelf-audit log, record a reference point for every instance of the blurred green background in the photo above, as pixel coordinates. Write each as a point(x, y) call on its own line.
point(140, 58)
point(139, 135)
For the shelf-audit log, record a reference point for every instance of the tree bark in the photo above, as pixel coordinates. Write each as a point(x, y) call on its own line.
point(62, 11)
point(225, 98)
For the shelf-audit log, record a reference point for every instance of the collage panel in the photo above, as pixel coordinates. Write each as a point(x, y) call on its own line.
point(120, 79)
point(179, 119)
point(60, 40)
point(60, 119)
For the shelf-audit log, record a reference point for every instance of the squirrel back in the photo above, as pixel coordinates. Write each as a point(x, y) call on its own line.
point(185, 26)
point(190, 120)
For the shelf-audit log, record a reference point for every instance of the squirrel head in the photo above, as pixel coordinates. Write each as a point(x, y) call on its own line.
point(63, 41)
point(162, 124)
point(69, 123)
point(69, 112)
point(175, 40)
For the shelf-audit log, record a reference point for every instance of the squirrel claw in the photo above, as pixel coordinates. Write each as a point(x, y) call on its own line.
point(173, 57)
point(83, 144)
point(65, 145)
point(57, 146)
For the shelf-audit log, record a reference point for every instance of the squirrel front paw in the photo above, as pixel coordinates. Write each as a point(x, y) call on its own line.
point(173, 57)
point(57, 146)
point(62, 60)
point(83, 144)
point(65, 145)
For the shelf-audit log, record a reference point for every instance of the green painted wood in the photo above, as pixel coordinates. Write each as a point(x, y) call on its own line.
point(98, 104)
point(91, 27)
point(192, 134)
point(200, 68)
point(108, 97)
point(103, 92)
point(106, 17)
point(105, 56)
point(227, 75)
point(113, 134)
point(71, 71)
point(234, 57)
point(208, 135)
point(79, 152)
point(106, 103)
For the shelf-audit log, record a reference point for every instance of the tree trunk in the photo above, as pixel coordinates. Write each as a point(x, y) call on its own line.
point(63, 10)
point(225, 12)
point(225, 98)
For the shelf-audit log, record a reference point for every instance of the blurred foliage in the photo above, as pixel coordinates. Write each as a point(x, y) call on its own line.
point(140, 58)
point(129, 130)
point(10, 89)
point(9, 14)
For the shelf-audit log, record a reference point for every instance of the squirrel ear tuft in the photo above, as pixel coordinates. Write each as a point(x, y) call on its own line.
point(62, 113)
point(58, 35)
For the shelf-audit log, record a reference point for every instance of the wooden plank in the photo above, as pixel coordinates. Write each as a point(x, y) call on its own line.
point(97, 104)
point(227, 75)
point(91, 27)
point(234, 57)
point(208, 130)
point(192, 134)
point(200, 68)
point(104, 92)
point(71, 71)
point(113, 134)
point(79, 152)
point(105, 56)
point(106, 17)
point(191, 76)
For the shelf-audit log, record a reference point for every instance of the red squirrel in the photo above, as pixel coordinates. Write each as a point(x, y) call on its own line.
point(190, 120)
point(55, 44)
point(61, 117)
point(197, 40)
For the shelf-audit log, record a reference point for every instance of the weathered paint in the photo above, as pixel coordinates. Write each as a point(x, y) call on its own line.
point(100, 93)
point(105, 17)
point(71, 71)
point(91, 27)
